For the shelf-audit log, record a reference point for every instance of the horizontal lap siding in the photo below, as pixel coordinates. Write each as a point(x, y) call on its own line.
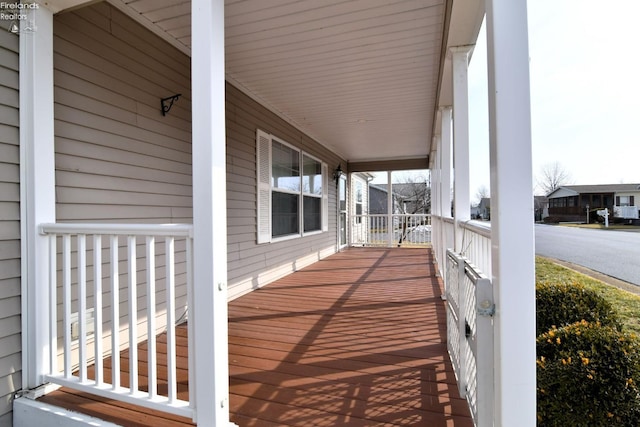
point(118, 159)
point(10, 322)
point(252, 265)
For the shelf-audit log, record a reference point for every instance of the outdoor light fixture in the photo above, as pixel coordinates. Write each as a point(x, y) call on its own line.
point(167, 103)
point(337, 173)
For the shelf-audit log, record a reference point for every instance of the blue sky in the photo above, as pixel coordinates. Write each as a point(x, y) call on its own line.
point(585, 91)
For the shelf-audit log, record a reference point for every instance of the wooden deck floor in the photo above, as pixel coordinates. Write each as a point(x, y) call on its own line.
point(357, 339)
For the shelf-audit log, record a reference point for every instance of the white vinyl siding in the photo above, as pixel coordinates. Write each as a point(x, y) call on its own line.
point(10, 321)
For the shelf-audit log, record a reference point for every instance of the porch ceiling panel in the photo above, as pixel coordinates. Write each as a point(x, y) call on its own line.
point(360, 76)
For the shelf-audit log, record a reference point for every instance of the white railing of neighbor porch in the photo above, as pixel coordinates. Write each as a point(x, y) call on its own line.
point(113, 286)
point(470, 309)
point(407, 230)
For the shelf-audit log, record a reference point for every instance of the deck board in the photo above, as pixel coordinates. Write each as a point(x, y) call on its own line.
point(357, 339)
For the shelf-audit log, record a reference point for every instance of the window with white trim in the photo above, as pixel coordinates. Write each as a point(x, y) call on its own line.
point(292, 191)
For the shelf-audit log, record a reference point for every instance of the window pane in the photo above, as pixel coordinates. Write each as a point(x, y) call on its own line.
point(312, 176)
point(358, 192)
point(285, 168)
point(343, 194)
point(312, 213)
point(284, 214)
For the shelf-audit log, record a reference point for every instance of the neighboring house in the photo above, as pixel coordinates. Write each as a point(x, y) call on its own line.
point(484, 208)
point(129, 115)
point(571, 202)
point(407, 198)
point(541, 207)
point(378, 199)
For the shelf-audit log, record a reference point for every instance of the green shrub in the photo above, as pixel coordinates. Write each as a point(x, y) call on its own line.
point(560, 304)
point(588, 375)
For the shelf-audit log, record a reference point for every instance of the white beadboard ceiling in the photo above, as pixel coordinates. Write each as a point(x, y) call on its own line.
point(360, 76)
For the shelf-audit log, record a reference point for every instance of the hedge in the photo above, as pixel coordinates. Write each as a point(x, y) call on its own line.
point(588, 375)
point(561, 304)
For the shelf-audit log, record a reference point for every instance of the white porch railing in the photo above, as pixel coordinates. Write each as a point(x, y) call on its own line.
point(476, 244)
point(113, 286)
point(407, 230)
point(442, 238)
point(470, 335)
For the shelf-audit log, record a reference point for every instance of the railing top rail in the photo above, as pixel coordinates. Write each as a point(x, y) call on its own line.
point(172, 230)
point(471, 270)
point(480, 227)
point(474, 273)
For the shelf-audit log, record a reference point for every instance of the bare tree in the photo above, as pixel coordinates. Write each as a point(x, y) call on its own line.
point(553, 176)
point(482, 193)
point(412, 196)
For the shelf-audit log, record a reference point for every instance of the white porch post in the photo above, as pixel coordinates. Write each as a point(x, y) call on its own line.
point(445, 178)
point(436, 224)
point(512, 233)
point(37, 178)
point(445, 163)
point(390, 234)
point(209, 311)
point(461, 197)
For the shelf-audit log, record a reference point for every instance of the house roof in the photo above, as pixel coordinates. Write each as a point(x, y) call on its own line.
point(586, 189)
point(363, 78)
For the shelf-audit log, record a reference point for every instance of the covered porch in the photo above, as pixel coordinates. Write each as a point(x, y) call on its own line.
point(356, 339)
point(333, 90)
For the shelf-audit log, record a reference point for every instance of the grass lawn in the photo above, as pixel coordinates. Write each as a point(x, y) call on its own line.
point(626, 303)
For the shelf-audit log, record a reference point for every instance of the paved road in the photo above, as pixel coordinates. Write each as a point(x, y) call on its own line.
point(614, 253)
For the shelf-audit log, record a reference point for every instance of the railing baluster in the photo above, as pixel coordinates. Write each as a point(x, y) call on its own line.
point(53, 303)
point(97, 308)
point(151, 316)
point(462, 310)
point(171, 321)
point(66, 302)
point(115, 314)
point(133, 314)
point(82, 305)
point(190, 326)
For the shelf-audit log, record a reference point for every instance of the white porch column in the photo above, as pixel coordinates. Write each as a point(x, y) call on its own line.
point(37, 178)
point(390, 234)
point(445, 163)
point(461, 198)
point(512, 232)
point(435, 207)
point(209, 311)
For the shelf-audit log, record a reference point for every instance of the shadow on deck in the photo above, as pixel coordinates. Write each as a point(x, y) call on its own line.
point(357, 339)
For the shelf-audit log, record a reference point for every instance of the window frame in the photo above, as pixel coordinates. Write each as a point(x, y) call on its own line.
point(262, 236)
